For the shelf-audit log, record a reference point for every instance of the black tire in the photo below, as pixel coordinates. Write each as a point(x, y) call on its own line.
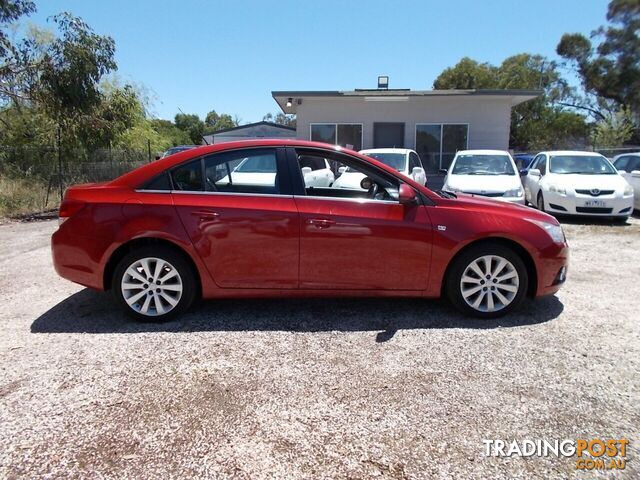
point(453, 287)
point(540, 202)
point(186, 276)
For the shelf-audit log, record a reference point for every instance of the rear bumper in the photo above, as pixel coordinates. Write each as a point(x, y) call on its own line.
point(78, 259)
point(576, 205)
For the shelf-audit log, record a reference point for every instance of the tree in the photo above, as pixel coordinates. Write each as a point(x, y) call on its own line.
point(467, 74)
point(611, 70)
point(215, 122)
point(281, 119)
point(614, 130)
point(192, 125)
point(10, 12)
point(536, 123)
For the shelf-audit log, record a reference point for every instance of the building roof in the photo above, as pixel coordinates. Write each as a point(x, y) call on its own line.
point(516, 96)
point(255, 124)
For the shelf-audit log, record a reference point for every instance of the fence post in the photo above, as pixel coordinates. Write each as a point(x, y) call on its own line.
point(149, 149)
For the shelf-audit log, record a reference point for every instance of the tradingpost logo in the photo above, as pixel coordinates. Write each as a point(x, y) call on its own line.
point(590, 454)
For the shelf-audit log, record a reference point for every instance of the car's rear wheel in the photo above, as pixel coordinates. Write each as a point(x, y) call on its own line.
point(487, 281)
point(154, 284)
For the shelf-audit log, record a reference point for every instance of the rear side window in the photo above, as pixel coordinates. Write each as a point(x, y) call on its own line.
point(188, 177)
point(243, 171)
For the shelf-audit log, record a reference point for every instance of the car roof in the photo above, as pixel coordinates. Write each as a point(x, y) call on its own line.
point(577, 153)
point(386, 150)
point(630, 154)
point(482, 152)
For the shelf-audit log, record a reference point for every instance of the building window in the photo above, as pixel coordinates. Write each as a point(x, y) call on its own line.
point(437, 144)
point(348, 135)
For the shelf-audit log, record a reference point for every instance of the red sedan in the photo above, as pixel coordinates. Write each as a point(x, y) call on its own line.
point(247, 219)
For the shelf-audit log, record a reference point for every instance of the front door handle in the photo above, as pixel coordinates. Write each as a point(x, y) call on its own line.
point(321, 222)
point(206, 214)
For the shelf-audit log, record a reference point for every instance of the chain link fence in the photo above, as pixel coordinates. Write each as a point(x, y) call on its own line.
point(33, 179)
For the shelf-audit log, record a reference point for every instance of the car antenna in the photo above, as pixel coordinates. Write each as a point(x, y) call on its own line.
point(201, 136)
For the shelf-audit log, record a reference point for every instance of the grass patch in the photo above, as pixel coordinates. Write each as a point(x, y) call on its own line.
point(24, 195)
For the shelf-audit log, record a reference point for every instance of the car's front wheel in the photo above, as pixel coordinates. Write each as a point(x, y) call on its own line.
point(487, 281)
point(154, 284)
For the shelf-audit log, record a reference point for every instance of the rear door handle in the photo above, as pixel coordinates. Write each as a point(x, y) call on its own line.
point(207, 214)
point(321, 222)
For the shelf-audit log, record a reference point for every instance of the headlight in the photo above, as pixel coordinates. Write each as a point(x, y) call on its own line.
point(628, 190)
point(555, 231)
point(558, 189)
point(516, 192)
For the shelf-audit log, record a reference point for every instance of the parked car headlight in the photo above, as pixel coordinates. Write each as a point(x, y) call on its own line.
point(557, 189)
point(555, 231)
point(628, 190)
point(515, 192)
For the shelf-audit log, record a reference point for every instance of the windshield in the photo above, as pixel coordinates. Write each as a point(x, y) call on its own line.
point(258, 164)
point(582, 164)
point(483, 165)
point(397, 161)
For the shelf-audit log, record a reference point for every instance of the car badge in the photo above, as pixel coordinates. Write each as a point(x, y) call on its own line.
point(595, 192)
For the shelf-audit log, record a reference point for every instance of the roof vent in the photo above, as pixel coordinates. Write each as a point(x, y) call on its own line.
point(383, 82)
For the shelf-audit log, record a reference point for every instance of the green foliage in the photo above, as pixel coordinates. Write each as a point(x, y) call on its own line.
point(614, 130)
point(171, 135)
point(10, 12)
point(214, 122)
point(534, 124)
point(281, 119)
point(192, 125)
point(611, 70)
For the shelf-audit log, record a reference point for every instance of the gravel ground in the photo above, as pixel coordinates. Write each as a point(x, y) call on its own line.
point(314, 388)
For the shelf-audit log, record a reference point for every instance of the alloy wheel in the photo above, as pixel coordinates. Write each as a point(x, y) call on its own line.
point(489, 283)
point(151, 286)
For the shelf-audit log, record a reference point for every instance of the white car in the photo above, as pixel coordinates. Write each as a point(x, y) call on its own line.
point(487, 173)
point(260, 171)
point(628, 164)
point(404, 160)
point(577, 183)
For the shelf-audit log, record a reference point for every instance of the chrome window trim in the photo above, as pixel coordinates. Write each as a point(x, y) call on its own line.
point(358, 200)
point(144, 190)
point(235, 194)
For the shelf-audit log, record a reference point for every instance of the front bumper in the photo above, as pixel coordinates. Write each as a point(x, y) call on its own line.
point(552, 265)
point(577, 204)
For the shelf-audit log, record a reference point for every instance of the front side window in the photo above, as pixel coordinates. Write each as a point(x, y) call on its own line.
point(483, 165)
point(414, 161)
point(348, 135)
point(188, 177)
point(634, 164)
point(621, 164)
point(242, 171)
point(581, 164)
point(355, 179)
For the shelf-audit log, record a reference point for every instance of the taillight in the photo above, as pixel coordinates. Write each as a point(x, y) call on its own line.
point(68, 208)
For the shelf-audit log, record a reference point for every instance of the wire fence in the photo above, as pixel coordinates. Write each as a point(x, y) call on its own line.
point(34, 178)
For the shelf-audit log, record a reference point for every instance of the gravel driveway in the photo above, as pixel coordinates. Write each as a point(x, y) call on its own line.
point(314, 388)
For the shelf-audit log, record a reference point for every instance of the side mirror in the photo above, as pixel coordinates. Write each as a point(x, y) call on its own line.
point(635, 173)
point(406, 195)
point(443, 171)
point(417, 171)
point(342, 169)
point(306, 171)
point(534, 172)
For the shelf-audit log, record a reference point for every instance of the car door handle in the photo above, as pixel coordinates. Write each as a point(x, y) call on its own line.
point(206, 214)
point(321, 222)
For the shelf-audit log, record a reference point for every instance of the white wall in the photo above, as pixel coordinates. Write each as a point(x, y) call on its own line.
point(488, 117)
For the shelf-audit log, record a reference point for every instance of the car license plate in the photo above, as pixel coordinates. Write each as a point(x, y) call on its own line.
point(595, 203)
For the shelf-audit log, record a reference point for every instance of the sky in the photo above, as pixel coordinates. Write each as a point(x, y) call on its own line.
point(196, 56)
